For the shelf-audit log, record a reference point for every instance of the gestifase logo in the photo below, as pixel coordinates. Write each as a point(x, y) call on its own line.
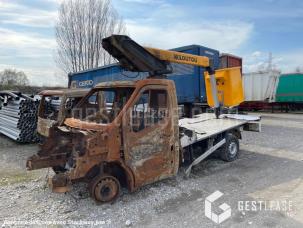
point(226, 210)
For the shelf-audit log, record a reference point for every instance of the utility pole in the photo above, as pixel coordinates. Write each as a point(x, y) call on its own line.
point(270, 66)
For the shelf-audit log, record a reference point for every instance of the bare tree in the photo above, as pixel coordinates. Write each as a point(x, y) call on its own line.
point(81, 26)
point(12, 77)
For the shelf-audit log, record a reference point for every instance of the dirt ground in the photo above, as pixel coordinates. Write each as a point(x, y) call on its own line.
point(269, 169)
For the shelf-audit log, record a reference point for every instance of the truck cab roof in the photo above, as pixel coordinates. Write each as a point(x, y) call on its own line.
point(119, 84)
point(67, 92)
point(114, 84)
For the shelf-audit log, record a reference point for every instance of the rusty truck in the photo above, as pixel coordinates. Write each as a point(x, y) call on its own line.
point(128, 133)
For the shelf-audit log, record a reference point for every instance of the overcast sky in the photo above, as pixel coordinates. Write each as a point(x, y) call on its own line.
point(250, 29)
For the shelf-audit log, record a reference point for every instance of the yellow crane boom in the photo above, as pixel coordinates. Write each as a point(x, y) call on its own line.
point(179, 57)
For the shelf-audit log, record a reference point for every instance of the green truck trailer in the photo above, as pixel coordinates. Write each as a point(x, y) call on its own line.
point(290, 88)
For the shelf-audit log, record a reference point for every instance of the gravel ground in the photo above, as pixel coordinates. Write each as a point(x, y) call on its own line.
point(269, 168)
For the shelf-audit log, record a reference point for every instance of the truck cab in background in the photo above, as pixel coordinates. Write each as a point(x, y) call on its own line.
point(55, 106)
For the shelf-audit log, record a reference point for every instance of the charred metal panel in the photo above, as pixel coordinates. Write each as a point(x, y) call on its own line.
point(53, 152)
point(145, 156)
point(151, 152)
point(44, 125)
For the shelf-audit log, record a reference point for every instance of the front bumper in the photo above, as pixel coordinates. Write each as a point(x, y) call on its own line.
point(59, 183)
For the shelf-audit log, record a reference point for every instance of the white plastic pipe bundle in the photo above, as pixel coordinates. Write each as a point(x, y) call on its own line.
point(18, 116)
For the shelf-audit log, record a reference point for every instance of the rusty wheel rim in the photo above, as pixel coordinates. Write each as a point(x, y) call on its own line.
point(106, 189)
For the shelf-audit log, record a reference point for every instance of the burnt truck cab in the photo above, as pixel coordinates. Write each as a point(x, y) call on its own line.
point(55, 106)
point(122, 133)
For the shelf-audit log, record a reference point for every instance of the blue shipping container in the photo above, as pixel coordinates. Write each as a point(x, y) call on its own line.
point(189, 80)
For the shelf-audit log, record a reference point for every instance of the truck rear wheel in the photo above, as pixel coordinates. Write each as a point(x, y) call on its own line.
point(104, 188)
point(230, 151)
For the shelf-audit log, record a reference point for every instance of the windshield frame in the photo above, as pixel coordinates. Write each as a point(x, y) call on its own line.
point(80, 104)
point(41, 109)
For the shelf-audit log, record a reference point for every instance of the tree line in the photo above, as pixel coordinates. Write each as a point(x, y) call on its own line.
point(10, 78)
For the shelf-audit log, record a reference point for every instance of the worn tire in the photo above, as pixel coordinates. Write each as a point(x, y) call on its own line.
point(230, 150)
point(104, 188)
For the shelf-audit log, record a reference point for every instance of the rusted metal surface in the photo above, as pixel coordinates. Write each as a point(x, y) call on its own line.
point(51, 93)
point(44, 124)
point(104, 188)
point(115, 84)
point(53, 152)
point(61, 92)
point(85, 149)
point(59, 183)
point(152, 153)
point(155, 146)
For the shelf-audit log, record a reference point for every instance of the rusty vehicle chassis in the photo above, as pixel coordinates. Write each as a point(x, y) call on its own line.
point(102, 148)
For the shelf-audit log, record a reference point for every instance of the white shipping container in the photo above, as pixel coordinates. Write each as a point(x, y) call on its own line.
point(261, 86)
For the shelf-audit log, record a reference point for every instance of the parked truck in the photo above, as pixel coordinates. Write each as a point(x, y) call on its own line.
point(128, 133)
point(273, 91)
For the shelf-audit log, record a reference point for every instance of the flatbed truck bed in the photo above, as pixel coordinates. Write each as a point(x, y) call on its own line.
point(208, 134)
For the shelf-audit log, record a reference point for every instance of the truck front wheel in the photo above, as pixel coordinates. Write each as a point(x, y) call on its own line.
point(104, 188)
point(230, 150)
